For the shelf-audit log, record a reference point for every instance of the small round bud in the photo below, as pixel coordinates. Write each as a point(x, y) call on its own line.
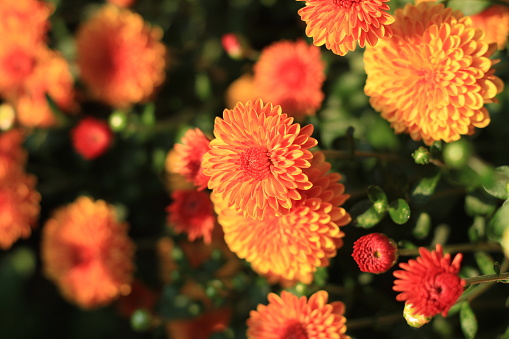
point(421, 156)
point(456, 154)
point(141, 320)
point(413, 319)
point(118, 121)
point(232, 45)
point(375, 253)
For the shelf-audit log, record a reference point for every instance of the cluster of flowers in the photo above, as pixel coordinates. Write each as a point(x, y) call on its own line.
point(276, 200)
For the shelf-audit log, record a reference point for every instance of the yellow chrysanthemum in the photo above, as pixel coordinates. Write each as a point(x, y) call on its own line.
point(86, 251)
point(433, 77)
point(494, 21)
point(288, 248)
point(291, 74)
point(256, 161)
point(120, 57)
point(288, 316)
point(341, 24)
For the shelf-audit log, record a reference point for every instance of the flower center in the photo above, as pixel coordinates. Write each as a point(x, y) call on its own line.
point(292, 73)
point(345, 3)
point(19, 64)
point(255, 163)
point(294, 330)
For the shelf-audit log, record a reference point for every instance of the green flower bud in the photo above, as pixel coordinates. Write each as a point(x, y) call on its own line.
point(414, 319)
point(421, 156)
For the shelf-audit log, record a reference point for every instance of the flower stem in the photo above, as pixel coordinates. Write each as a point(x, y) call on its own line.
point(487, 278)
point(491, 247)
point(337, 154)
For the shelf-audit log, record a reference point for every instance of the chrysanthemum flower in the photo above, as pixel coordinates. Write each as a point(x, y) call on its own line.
point(122, 3)
point(192, 212)
point(27, 17)
point(86, 251)
point(494, 21)
point(289, 316)
point(257, 159)
point(433, 77)
point(341, 24)
point(430, 283)
point(291, 74)
point(91, 137)
point(12, 155)
point(19, 208)
point(187, 160)
point(288, 248)
point(242, 89)
point(375, 253)
point(120, 57)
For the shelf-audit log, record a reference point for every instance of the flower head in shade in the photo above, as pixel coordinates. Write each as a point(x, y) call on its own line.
point(91, 137)
point(288, 316)
point(187, 160)
point(242, 90)
point(122, 3)
point(12, 155)
point(15, 14)
point(433, 77)
point(430, 283)
point(288, 248)
point(203, 326)
point(257, 159)
point(192, 212)
point(86, 251)
point(341, 24)
point(291, 74)
point(120, 57)
point(19, 208)
point(375, 253)
point(494, 21)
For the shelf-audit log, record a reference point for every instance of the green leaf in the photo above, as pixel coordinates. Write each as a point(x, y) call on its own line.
point(479, 203)
point(485, 262)
point(377, 196)
point(365, 215)
point(399, 211)
point(499, 223)
point(422, 226)
point(506, 333)
point(500, 183)
point(424, 189)
point(148, 116)
point(468, 321)
point(469, 7)
point(477, 230)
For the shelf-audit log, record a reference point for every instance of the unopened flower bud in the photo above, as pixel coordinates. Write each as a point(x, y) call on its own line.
point(375, 253)
point(414, 319)
point(232, 45)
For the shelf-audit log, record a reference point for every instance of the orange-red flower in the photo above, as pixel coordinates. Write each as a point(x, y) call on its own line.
point(288, 248)
point(188, 157)
point(191, 212)
point(120, 57)
point(341, 24)
point(201, 327)
point(430, 284)
point(26, 17)
point(291, 74)
point(19, 207)
point(86, 251)
point(289, 316)
point(494, 21)
point(433, 77)
point(257, 159)
point(375, 253)
point(12, 155)
point(122, 3)
point(91, 137)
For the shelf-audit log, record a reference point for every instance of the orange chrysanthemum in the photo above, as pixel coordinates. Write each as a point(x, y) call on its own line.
point(433, 77)
point(257, 159)
point(27, 17)
point(122, 3)
point(201, 327)
point(12, 155)
point(86, 251)
point(291, 74)
point(288, 248)
point(242, 89)
point(341, 24)
point(494, 21)
point(120, 57)
point(19, 208)
point(289, 316)
point(188, 157)
point(191, 212)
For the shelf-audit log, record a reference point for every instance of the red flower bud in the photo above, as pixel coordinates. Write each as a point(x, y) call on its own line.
point(375, 253)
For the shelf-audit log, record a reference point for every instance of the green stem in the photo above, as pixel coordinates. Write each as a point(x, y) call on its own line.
point(487, 278)
point(490, 247)
point(337, 154)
